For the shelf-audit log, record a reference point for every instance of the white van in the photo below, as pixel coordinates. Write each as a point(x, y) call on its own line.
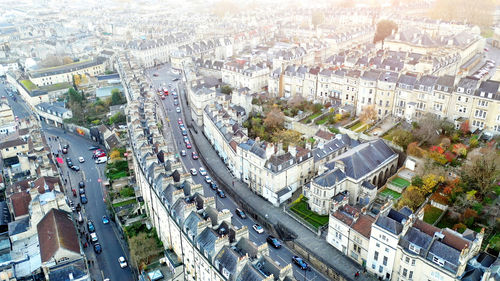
point(80, 217)
point(101, 160)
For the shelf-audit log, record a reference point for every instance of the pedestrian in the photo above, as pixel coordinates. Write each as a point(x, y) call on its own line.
point(233, 183)
point(356, 274)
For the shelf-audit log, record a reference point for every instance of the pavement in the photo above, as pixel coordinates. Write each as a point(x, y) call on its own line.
point(105, 264)
point(210, 160)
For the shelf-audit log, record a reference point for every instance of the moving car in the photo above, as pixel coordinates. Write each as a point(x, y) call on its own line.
point(273, 241)
point(220, 193)
point(178, 109)
point(193, 171)
point(176, 103)
point(97, 248)
point(258, 228)
point(195, 155)
point(240, 213)
point(105, 220)
point(300, 262)
point(90, 226)
point(122, 262)
point(183, 152)
point(83, 199)
point(93, 237)
point(75, 168)
point(203, 172)
point(81, 191)
point(188, 145)
point(213, 185)
point(81, 159)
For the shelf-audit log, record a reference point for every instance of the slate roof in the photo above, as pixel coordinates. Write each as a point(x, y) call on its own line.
point(228, 259)
point(445, 81)
point(392, 222)
point(56, 230)
point(339, 142)
point(57, 109)
point(407, 80)
point(371, 75)
point(364, 158)
point(249, 273)
point(468, 84)
point(330, 178)
point(389, 76)
point(67, 68)
point(11, 143)
point(489, 89)
point(206, 241)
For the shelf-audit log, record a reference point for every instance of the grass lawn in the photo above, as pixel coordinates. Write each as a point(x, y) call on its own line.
point(55, 87)
point(322, 121)
point(431, 214)
point(310, 118)
point(495, 242)
point(487, 32)
point(446, 222)
point(302, 210)
point(117, 175)
point(356, 126)
point(29, 85)
point(131, 201)
point(389, 192)
point(399, 182)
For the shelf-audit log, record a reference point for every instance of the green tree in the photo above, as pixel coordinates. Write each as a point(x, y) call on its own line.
point(384, 29)
point(116, 97)
point(402, 137)
point(118, 118)
point(226, 89)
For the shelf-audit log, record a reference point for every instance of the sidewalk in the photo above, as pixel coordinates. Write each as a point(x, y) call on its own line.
point(316, 246)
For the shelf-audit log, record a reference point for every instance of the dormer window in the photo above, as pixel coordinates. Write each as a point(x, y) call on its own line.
point(414, 248)
point(438, 261)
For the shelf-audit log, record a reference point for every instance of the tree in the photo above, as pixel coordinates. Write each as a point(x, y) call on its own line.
point(67, 60)
point(464, 127)
point(274, 118)
point(296, 101)
point(318, 18)
point(482, 170)
point(142, 249)
point(384, 29)
point(369, 114)
point(118, 118)
point(116, 97)
point(412, 198)
point(226, 89)
point(115, 154)
point(427, 130)
point(287, 137)
point(401, 137)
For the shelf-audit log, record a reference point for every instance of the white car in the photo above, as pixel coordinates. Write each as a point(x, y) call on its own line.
point(93, 237)
point(122, 262)
point(81, 159)
point(193, 172)
point(202, 171)
point(208, 179)
point(178, 110)
point(258, 228)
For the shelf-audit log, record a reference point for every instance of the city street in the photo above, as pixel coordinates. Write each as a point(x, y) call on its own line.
point(282, 256)
point(109, 238)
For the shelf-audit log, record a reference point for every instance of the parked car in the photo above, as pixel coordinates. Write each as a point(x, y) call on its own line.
point(81, 191)
point(97, 248)
point(193, 171)
point(258, 228)
point(93, 237)
point(90, 226)
point(213, 185)
point(93, 147)
point(81, 184)
point(220, 193)
point(105, 220)
point(83, 199)
point(122, 262)
point(75, 168)
point(101, 160)
point(177, 109)
point(186, 139)
point(300, 262)
point(240, 213)
point(81, 159)
point(273, 241)
point(188, 145)
point(69, 163)
point(203, 172)
point(176, 102)
point(179, 121)
point(208, 179)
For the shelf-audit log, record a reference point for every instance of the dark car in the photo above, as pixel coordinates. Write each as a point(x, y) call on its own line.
point(83, 199)
point(220, 193)
point(240, 213)
point(75, 168)
point(97, 248)
point(300, 262)
point(90, 226)
point(273, 241)
point(69, 163)
point(81, 184)
point(213, 185)
point(184, 132)
point(93, 147)
point(81, 191)
point(68, 159)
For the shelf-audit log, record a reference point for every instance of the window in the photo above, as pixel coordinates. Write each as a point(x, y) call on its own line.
point(405, 272)
point(407, 259)
point(375, 256)
point(380, 269)
point(410, 276)
point(373, 266)
point(385, 261)
point(413, 262)
point(414, 248)
point(482, 103)
point(378, 244)
point(438, 261)
point(387, 249)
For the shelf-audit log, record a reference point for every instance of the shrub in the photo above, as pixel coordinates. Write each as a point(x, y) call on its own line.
point(445, 143)
point(460, 227)
point(417, 181)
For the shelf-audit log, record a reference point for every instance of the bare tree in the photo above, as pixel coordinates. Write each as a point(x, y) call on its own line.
point(428, 128)
point(482, 170)
point(369, 114)
point(274, 118)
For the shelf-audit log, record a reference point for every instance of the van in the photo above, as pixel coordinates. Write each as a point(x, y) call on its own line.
point(101, 160)
point(80, 217)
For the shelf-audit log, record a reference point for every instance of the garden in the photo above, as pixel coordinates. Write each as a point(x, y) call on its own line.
point(301, 209)
point(144, 244)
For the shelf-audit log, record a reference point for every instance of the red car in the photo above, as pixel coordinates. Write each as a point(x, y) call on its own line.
point(179, 121)
point(195, 155)
point(188, 145)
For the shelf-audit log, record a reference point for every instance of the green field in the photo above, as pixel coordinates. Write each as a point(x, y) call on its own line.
point(389, 192)
point(399, 182)
point(431, 214)
point(301, 209)
point(29, 85)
